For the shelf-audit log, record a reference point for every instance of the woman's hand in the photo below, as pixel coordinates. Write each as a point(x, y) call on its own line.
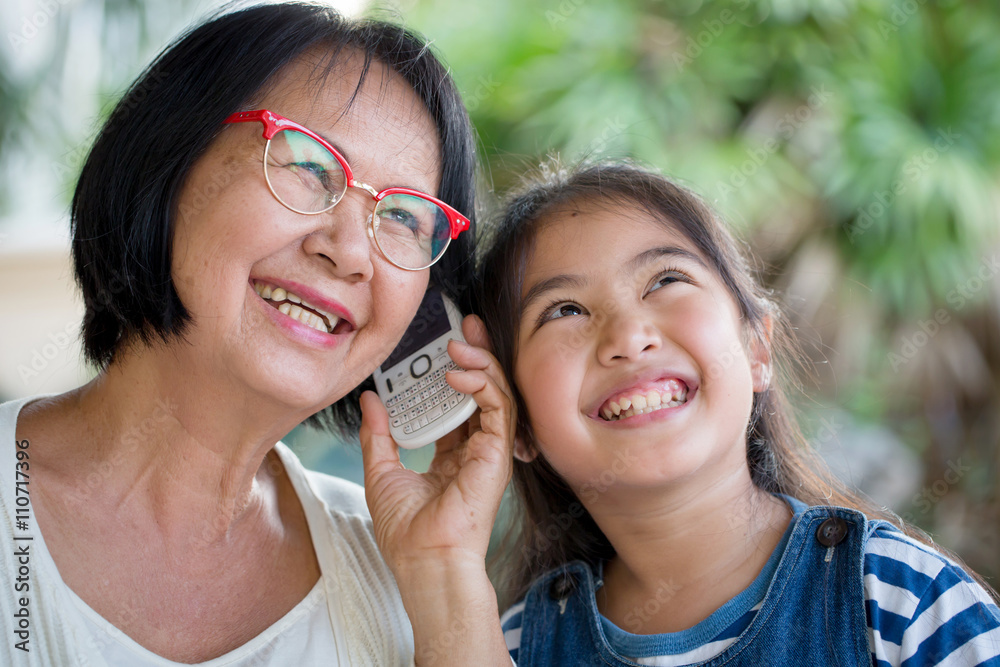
point(433, 528)
point(446, 513)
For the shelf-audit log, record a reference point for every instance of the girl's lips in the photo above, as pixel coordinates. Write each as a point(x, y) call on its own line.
point(665, 382)
point(641, 420)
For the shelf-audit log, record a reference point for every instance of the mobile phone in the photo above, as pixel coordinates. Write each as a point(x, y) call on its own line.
point(422, 405)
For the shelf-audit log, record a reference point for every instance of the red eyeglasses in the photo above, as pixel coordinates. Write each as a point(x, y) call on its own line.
point(309, 176)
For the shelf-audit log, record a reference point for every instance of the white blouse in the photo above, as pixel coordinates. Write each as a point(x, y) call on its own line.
point(352, 616)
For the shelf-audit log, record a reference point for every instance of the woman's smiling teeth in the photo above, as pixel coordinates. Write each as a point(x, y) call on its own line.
point(634, 403)
point(297, 308)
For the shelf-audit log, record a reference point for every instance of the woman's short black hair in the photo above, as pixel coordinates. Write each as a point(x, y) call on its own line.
point(126, 197)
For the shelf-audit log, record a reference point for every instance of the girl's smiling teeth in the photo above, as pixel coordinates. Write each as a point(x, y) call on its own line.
point(639, 402)
point(297, 308)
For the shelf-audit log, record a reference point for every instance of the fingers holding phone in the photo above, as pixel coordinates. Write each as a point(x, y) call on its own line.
point(422, 405)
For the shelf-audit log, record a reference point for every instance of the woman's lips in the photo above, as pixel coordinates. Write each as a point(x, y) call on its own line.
point(302, 325)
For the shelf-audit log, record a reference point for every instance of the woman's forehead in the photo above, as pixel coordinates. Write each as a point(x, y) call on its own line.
point(379, 123)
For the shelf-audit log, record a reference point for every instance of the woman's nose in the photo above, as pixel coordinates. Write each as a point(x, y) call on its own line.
point(341, 237)
point(626, 336)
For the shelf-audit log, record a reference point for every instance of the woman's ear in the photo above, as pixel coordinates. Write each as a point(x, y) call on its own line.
point(760, 357)
point(524, 452)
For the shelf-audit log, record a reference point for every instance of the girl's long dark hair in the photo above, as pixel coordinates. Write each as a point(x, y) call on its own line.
point(550, 527)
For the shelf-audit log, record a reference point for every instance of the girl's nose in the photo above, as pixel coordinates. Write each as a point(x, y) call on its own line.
point(626, 337)
point(341, 237)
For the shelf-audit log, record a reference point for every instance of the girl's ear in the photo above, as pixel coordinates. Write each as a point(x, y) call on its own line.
point(760, 357)
point(524, 452)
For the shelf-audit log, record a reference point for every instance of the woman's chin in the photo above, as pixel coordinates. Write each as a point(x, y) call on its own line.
point(291, 391)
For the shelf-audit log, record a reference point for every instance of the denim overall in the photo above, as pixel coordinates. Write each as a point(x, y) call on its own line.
point(813, 612)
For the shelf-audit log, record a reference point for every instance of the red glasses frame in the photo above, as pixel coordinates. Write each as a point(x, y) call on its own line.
point(273, 123)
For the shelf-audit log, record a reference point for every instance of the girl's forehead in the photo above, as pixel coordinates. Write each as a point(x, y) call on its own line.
point(582, 233)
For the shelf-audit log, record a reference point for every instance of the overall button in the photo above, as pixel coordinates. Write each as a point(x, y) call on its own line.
point(831, 532)
point(562, 586)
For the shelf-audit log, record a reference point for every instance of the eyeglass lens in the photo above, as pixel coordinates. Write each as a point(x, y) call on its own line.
point(410, 231)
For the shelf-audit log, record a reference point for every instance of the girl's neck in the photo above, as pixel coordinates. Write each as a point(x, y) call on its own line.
point(690, 552)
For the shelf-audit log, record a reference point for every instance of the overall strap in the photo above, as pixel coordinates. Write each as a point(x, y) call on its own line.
point(561, 624)
point(813, 612)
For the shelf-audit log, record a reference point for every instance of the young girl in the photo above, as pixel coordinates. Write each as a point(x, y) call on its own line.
point(669, 513)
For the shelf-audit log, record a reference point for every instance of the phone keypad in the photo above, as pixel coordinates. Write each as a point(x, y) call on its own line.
point(426, 401)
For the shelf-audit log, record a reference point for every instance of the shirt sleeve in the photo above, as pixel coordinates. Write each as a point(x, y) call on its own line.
point(923, 609)
point(510, 623)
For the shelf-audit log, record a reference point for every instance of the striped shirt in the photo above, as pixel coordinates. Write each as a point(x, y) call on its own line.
point(922, 609)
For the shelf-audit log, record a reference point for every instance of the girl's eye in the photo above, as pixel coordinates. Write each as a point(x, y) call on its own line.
point(666, 278)
point(561, 310)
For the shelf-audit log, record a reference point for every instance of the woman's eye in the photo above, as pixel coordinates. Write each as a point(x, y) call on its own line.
point(309, 171)
point(402, 218)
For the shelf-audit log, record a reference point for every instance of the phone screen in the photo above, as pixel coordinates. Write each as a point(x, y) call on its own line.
point(430, 322)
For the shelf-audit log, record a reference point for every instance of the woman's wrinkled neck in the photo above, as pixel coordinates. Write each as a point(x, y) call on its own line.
point(160, 440)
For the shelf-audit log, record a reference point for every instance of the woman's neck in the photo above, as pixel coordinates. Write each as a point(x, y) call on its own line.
point(689, 550)
point(154, 442)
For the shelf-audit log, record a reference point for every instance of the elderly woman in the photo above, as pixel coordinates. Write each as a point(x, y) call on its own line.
point(243, 270)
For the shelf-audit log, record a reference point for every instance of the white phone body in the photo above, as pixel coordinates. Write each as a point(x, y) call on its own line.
point(422, 405)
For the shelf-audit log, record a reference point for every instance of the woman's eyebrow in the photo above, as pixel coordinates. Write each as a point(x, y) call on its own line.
point(340, 150)
point(548, 285)
point(653, 254)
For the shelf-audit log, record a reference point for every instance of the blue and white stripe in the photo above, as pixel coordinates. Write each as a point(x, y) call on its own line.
point(922, 609)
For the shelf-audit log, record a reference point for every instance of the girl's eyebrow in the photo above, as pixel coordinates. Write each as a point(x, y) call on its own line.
point(630, 267)
point(548, 285)
point(653, 254)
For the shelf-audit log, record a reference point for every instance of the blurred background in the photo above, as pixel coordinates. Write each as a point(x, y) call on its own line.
point(854, 145)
